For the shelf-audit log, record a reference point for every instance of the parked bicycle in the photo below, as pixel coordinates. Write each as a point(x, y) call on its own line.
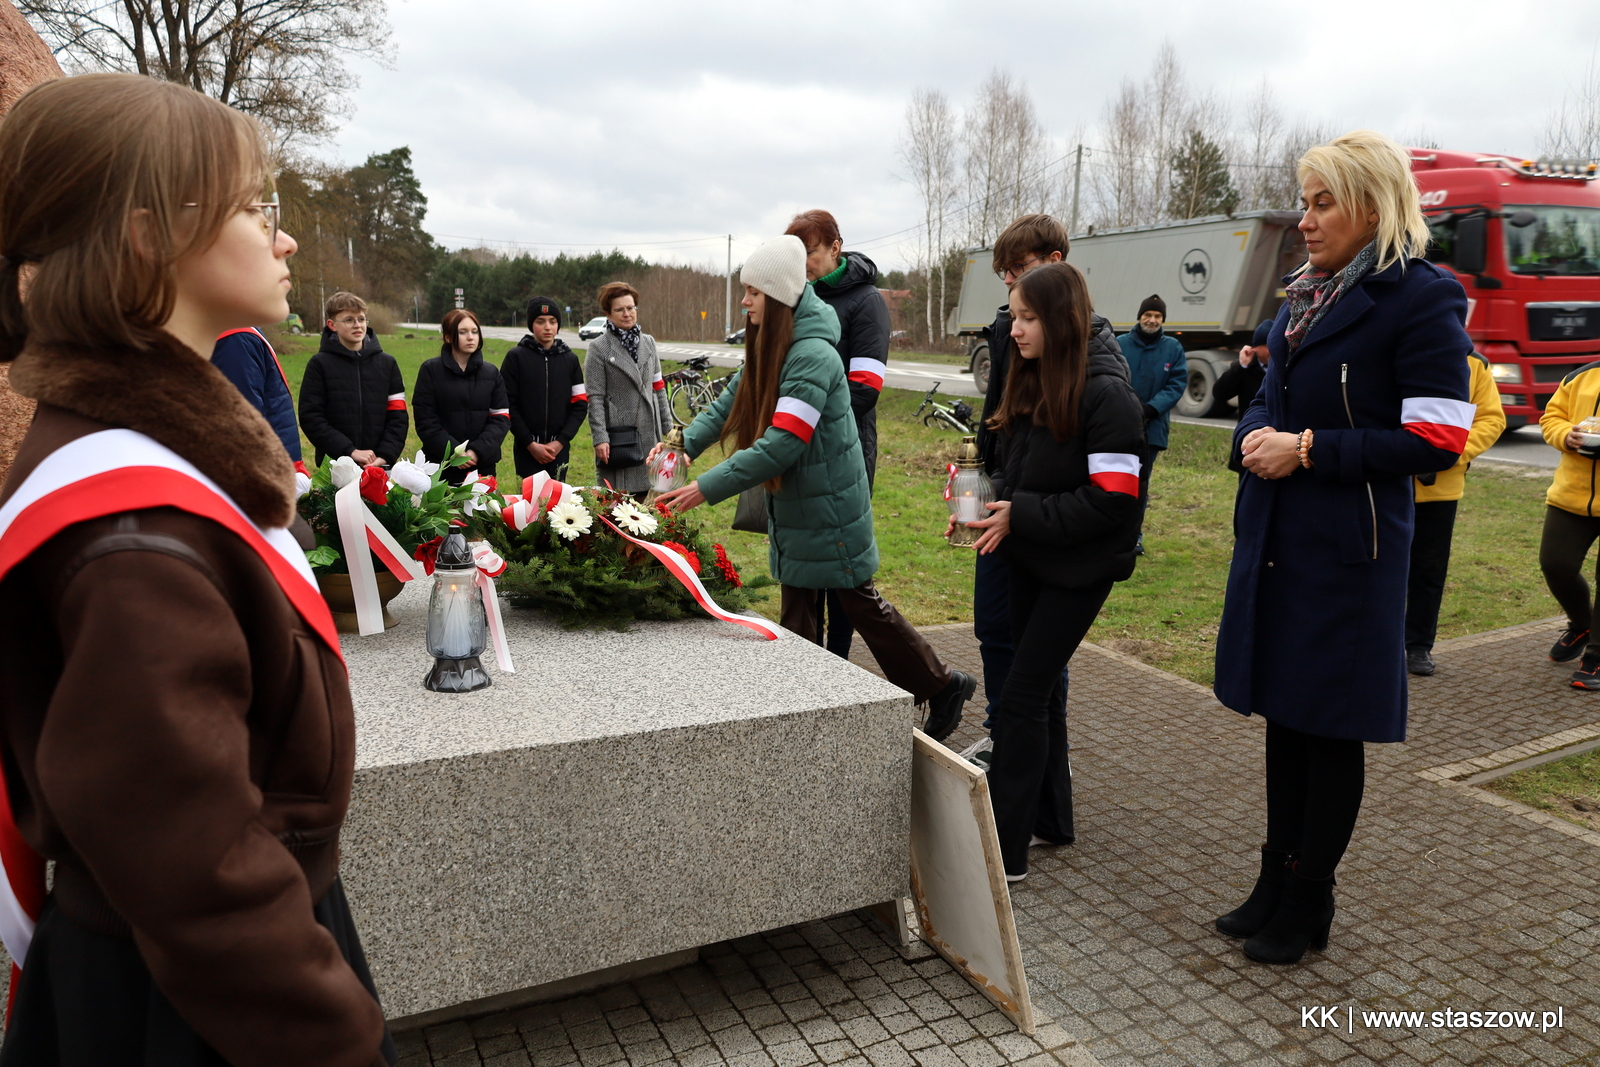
point(957, 417)
point(690, 391)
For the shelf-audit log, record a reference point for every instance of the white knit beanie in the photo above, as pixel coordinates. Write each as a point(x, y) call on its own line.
point(778, 268)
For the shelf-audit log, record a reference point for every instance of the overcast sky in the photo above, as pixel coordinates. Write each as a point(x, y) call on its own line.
point(654, 126)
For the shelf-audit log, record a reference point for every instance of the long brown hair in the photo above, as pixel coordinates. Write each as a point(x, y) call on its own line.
point(765, 348)
point(1050, 389)
point(81, 161)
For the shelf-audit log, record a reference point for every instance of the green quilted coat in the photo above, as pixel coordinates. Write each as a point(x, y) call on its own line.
point(819, 522)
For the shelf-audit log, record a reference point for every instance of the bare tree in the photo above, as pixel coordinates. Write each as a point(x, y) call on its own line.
point(1260, 168)
point(929, 150)
point(1573, 132)
point(1006, 158)
point(282, 61)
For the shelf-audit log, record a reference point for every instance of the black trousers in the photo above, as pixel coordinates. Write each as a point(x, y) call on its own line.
point(1149, 461)
point(1030, 782)
point(88, 1000)
point(907, 659)
point(1430, 563)
point(1314, 788)
point(1562, 548)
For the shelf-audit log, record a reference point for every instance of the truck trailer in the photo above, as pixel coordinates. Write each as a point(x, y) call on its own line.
point(1522, 236)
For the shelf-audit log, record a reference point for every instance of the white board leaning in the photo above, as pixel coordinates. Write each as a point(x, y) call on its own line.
point(958, 879)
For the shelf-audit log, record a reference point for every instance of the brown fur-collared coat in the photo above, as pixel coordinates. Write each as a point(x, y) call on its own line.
point(179, 741)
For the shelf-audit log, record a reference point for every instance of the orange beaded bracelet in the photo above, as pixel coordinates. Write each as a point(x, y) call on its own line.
point(1302, 448)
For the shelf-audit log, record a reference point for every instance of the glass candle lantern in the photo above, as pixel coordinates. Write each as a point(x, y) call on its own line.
point(966, 492)
point(670, 469)
point(1589, 431)
point(458, 630)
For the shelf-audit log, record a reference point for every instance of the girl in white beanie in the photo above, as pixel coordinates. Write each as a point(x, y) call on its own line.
point(787, 413)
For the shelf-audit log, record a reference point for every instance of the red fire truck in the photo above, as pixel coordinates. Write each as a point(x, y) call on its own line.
point(1524, 238)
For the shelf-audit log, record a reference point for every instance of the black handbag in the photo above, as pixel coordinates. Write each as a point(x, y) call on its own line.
point(751, 514)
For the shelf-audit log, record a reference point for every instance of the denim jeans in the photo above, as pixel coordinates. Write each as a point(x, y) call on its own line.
point(991, 625)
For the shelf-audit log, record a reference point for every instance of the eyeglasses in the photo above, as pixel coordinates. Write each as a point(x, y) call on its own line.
point(271, 214)
point(360, 320)
point(1016, 269)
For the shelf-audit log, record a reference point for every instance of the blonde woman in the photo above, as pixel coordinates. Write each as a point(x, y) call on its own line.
point(1366, 387)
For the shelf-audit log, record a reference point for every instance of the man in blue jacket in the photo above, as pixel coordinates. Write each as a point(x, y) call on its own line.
point(1160, 373)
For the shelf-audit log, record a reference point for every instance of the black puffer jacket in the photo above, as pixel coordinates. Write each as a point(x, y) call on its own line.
point(1075, 503)
point(1102, 342)
point(456, 406)
point(545, 391)
point(353, 400)
point(863, 344)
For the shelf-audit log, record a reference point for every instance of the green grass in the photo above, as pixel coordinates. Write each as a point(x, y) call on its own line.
point(1167, 613)
point(1567, 787)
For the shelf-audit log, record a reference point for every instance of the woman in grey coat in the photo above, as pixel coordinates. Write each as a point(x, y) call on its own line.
point(623, 376)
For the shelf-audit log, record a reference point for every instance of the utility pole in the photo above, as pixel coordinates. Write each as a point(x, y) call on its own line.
point(1077, 180)
point(727, 296)
point(350, 254)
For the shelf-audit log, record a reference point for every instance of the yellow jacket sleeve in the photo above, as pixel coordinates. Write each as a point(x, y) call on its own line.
point(1556, 422)
point(1490, 421)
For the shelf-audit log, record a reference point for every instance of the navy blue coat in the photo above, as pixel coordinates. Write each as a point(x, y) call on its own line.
point(1160, 373)
point(1312, 633)
point(249, 362)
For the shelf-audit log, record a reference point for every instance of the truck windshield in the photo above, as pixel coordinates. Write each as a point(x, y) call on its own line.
point(1563, 240)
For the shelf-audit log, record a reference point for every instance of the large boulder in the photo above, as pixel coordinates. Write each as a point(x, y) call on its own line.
point(25, 61)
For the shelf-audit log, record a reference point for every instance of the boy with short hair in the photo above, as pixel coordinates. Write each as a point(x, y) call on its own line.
point(545, 390)
point(352, 398)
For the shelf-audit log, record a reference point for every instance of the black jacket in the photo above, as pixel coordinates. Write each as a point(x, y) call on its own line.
point(545, 391)
point(353, 400)
point(1102, 342)
point(863, 343)
point(1075, 510)
point(456, 406)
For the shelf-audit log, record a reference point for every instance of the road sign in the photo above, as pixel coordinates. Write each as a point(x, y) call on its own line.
point(702, 316)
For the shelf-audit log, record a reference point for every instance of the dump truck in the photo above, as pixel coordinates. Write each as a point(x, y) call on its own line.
point(1521, 235)
point(1219, 276)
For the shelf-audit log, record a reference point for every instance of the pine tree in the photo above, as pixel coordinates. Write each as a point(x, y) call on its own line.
point(1201, 184)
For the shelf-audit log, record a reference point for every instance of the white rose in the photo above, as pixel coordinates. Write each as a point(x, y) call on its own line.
point(410, 477)
point(422, 464)
point(344, 471)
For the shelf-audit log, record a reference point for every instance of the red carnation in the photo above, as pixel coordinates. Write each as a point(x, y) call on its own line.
point(375, 484)
point(694, 560)
point(725, 565)
point(427, 552)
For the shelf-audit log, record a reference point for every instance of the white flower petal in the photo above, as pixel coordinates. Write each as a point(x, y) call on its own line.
point(344, 470)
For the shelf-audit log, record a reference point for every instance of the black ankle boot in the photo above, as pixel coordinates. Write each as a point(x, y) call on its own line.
point(1301, 921)
point(1248, 918)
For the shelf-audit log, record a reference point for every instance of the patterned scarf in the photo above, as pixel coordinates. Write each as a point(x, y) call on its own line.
point(1315, 291)
point(628, 337)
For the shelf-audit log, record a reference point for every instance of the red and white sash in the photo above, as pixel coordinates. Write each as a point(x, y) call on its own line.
point(107, 473)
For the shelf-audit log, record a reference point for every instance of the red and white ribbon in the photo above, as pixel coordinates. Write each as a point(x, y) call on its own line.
point(489, 567)
point(679, 568)
point(950, 480)
point(360, 531)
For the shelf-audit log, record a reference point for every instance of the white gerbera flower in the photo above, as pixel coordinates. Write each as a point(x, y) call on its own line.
point(343, 471)
point(631, 517)
point(570, 519)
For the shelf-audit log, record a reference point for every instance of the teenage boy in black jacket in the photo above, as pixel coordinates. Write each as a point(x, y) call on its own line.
point(352, 398)
point(544, 386)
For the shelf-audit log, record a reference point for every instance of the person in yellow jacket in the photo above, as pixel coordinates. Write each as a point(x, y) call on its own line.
point(1571, 519)
point(1435, 521)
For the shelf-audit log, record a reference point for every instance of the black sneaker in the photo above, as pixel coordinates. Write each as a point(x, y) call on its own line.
point(1419, 662)
point(944, 710)
point(1587, 676)
point(1569, 646)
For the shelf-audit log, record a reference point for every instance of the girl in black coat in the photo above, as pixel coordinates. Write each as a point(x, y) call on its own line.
point(1066, 516)
point(461, 400)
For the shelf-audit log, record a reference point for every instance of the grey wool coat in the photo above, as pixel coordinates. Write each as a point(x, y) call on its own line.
point(625, 393)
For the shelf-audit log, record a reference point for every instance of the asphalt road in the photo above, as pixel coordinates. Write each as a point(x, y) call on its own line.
point(1524, 447)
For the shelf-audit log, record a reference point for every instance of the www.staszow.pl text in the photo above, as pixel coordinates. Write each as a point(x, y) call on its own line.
point(1345, 1017)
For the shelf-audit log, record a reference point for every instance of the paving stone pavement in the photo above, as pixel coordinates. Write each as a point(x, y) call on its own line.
point(1446, 902)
